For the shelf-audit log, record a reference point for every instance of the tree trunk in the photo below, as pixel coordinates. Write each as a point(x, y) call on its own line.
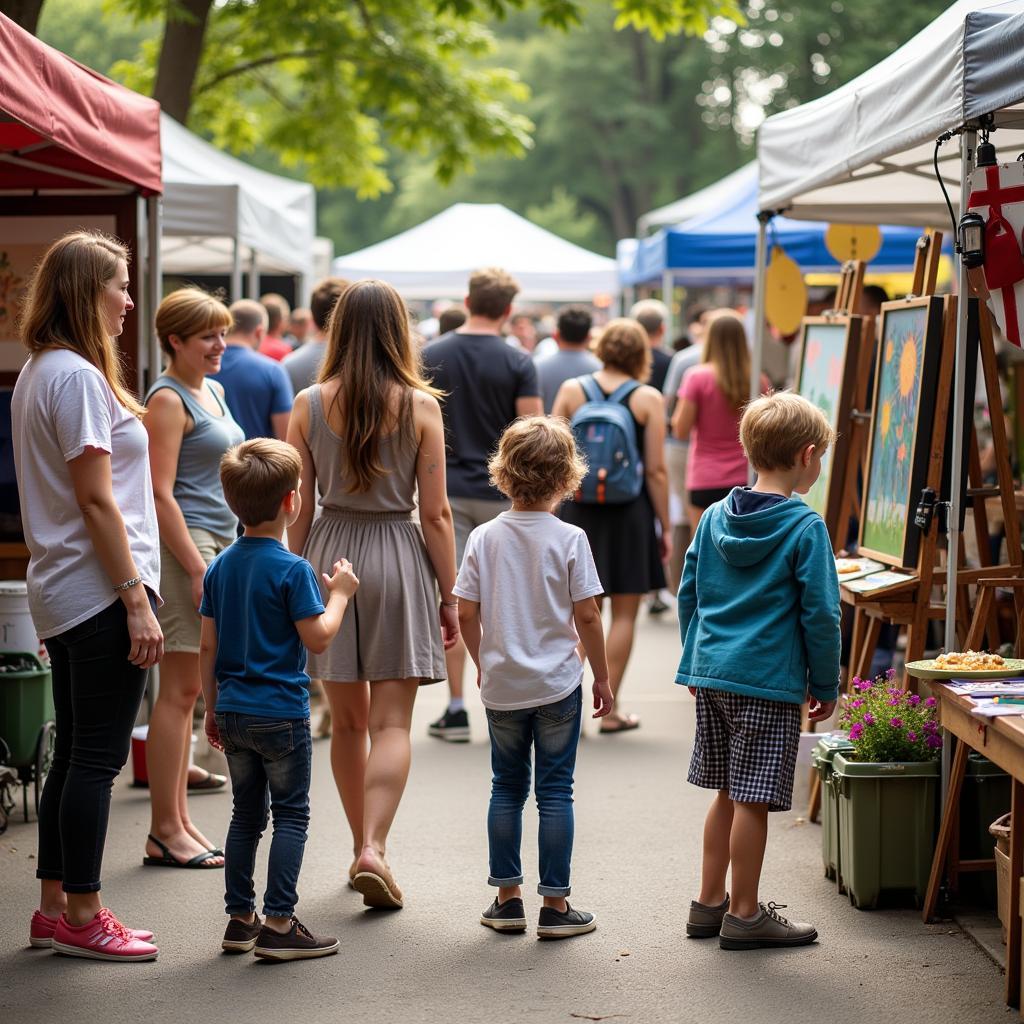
point(180, 53)
point(23, 12)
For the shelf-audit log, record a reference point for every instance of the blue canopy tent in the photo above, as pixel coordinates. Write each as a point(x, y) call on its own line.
point(718, 246)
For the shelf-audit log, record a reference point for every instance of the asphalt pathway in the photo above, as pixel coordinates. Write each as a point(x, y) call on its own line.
point(636, 865)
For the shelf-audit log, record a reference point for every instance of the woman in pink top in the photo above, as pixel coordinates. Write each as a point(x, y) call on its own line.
point(711, 399)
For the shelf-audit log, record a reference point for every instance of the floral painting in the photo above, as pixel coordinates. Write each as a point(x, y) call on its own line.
point(901, 429)
point(12, 286)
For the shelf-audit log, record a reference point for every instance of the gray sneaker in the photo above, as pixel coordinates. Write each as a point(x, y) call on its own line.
point(553, 924)
point(509, 916)
point(705, 921)
point(768, 929)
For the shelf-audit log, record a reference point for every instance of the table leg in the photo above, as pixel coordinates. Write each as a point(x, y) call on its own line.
point(948, 831)
point(1013, 922)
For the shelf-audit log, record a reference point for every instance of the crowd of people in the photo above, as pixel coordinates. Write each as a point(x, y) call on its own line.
point(365, 511)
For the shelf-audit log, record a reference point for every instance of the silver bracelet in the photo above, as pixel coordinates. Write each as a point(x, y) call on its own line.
point(128, 584)
point(449, 604)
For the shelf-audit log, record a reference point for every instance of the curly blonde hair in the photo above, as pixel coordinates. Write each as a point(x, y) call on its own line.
point(537, 461)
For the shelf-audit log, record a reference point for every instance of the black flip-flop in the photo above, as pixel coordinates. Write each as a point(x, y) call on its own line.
point(168, 860)
point(211, 782)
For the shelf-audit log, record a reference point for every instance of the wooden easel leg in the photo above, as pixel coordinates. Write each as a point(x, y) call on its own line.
point(869, 646)
point(948, 831)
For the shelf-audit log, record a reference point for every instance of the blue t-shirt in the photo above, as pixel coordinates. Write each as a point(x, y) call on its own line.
point(255, 387)
point(255, 592)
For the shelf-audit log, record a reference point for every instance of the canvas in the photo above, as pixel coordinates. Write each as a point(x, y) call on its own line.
point(826, 376)
point(906, 372)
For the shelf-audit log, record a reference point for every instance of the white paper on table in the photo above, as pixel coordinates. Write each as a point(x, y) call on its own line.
point(990, 709)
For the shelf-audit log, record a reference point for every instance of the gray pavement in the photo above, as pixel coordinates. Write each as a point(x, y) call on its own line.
point(636, 866)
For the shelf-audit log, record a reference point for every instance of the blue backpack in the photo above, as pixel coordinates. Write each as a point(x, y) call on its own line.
point(605, 434)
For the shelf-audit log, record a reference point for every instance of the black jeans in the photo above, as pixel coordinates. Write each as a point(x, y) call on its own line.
point(96, 694)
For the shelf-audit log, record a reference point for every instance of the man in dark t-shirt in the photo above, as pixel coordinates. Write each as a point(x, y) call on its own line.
point(487, 384)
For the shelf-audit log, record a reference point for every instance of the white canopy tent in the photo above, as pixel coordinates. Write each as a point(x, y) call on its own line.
point(865, 151)
point(710, 197)
point(221, 216)
point(434, 259)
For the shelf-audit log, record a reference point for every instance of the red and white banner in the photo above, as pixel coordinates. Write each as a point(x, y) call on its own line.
point(997, 193)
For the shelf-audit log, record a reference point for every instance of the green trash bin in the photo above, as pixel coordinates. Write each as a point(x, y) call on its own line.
point(26, 705)
point(821, 759)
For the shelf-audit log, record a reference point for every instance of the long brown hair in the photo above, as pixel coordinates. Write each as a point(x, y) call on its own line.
point(725, 348)
point(64, 306)
point(370, 353)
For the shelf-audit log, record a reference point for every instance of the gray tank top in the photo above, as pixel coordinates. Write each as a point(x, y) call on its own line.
point(393, 492)
point(197, 488)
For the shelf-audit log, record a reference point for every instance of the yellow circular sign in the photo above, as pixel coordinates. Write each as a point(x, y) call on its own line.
point(853, 241)
point(785, 294)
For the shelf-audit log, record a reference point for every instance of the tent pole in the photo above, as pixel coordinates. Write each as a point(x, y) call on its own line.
point(236, 270)
point(667, 295)
point(154, 282)
point(967, 143)
point(254, 275)
point(760, 269)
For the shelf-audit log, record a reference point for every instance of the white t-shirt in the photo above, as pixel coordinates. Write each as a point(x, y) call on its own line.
point(61, 406)
point(526, 569)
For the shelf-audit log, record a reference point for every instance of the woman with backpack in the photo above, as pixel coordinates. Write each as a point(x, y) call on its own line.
point(619, 424)
point(711, 399)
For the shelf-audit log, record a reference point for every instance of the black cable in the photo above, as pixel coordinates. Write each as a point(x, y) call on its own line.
point(945, 137)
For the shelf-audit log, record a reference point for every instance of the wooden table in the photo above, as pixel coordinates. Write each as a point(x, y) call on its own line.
point(1001, 740)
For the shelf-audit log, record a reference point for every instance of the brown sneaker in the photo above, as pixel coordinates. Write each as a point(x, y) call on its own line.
point(298, 943)
point(705, 921)
point(768, 929)
point(240, 937)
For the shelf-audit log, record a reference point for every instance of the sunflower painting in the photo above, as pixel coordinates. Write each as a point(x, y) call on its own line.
point(901, 428)
point(824, 376)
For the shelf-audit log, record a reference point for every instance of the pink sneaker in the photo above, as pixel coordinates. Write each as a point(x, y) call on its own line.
point(40, 932)
point(102, 938)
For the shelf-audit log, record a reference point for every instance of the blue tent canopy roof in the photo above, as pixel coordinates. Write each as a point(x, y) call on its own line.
point(718, 246)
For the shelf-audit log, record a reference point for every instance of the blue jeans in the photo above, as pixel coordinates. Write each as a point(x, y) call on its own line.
point(270, 761)
point(554, 731)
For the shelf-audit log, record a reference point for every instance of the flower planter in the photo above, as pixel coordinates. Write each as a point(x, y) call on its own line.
point(887, 817)
point(824, 751)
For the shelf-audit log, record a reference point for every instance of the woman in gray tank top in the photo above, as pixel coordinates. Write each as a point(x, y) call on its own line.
point(190, 428)
point(370, 433)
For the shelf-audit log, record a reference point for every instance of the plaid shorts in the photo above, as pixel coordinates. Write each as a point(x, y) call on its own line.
point(746, 745)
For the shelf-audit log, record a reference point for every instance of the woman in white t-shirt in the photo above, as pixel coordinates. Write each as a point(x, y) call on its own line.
point(80, 451)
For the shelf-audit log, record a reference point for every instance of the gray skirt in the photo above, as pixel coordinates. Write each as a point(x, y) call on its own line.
point(391, 629)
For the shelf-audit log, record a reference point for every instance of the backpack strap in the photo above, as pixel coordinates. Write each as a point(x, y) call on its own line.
point(591, 389)
point(623, 391)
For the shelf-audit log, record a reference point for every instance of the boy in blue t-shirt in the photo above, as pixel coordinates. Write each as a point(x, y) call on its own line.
point(759, 618)
point(261, 609)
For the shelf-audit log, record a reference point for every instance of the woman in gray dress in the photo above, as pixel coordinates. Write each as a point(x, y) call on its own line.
point(369, 433)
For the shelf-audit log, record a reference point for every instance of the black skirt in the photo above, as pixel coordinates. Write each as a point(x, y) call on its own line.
point(624, 543)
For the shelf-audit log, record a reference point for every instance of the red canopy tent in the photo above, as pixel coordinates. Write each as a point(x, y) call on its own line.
point(76, 145)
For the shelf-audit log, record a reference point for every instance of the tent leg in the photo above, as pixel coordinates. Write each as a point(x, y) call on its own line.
point(254, 275)
point(968, 141)
point(760, 270)
point(154, 284)
point(667, 296)
point(236, 270)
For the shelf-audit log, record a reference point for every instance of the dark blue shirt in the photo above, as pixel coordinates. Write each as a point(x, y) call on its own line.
point(255, 592)
point(255, 388)
point(745, 501)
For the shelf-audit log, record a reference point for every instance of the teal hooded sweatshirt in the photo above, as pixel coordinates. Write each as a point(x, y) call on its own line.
point(759, 604)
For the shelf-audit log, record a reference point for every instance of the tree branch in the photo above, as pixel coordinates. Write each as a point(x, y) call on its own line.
point(252, 65)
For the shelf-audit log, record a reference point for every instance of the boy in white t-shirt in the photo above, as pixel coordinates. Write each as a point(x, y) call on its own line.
point(526, 601)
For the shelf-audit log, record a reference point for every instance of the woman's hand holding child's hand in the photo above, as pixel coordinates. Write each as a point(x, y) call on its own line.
point(449, 615)
point(603, 699)
point(212, 731)
point(342, 579)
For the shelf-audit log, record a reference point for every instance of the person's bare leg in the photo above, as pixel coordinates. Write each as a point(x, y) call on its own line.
point(747, 841)
point(53, 900)
point(83, 907)
point(387, 768)
point(350, 709)
point(620, 641)
point(167, 756)
point(693, 514)
point(715, 863)
point(455, 659)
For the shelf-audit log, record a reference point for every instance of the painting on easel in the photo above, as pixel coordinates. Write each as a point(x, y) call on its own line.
point(825, 376)
point(906, 375)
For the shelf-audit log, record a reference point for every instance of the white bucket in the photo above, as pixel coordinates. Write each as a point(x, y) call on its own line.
point(17, 631)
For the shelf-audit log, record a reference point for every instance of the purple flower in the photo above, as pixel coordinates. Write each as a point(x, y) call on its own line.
point(894, 702)
point(865, 685)
point(930, 702)
point(890, 674)
point(856, 731)
point(913, 700)
point(896, 723)
point(934, 741)
point(856, 703)
point(869, 719)
point(931, 726)
point(912, 736)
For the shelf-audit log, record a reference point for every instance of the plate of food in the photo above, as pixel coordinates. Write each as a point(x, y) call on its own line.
point(966, 665)
point(854, 568)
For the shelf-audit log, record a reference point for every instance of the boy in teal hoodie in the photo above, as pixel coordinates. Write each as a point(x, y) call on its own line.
point(759, 620)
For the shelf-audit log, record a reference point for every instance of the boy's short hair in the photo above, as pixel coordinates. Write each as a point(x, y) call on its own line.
point(777, 427)
point(256, 475)
point(491, 292)
point(574, 323)
point(624, 345)
point(537, 460)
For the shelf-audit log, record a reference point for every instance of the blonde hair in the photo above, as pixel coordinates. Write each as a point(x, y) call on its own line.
point(623, 345)
point(370, 352)
point(256, 475)
point(64, 306)
point(189, 311)
point(491, 292)
point(537, 461)
point(776, 428)
point(725, 349)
